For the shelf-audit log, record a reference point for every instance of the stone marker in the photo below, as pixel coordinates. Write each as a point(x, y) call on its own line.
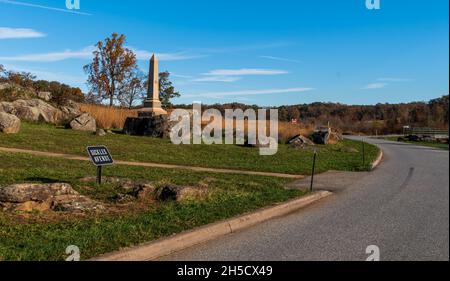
point(152, 105)
point(152, 120)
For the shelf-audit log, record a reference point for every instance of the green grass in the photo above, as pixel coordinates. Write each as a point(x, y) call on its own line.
point(146, 149)
point(43, 236)
point(36, 237)
point(423, 143)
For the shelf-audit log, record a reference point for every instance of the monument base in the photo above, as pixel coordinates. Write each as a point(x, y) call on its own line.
point(152, 125)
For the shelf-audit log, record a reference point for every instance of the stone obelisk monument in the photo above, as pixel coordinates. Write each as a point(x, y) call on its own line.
point(152, 105)
point(152, 120)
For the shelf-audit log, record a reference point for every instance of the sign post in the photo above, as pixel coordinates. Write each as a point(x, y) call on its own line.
point(100, 157)
point(313, 171)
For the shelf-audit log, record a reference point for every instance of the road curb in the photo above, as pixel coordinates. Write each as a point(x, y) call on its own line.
point(377, 162)
point(166, 246)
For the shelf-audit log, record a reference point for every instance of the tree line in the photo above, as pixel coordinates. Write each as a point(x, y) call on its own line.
point(368, 119)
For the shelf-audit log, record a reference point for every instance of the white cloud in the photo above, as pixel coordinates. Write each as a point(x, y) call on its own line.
point(86, 53)
point(25, 4)
point(249, 92)
point(217, 79)
point(280, 59)
point(374, 86)
point(245, 71)
point(391, 79)
point(146, 55)
point(19, 33)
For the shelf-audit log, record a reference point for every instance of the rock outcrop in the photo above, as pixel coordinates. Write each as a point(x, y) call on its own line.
point(41, 197)
point(37, 110)
point(9, 124)
point(84, 122)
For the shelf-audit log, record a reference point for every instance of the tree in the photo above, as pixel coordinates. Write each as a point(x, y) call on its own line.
point(110, 67)
point(134, 89)
point(166, 89)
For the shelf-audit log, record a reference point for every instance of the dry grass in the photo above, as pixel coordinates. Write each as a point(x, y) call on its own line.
point(114, 118)
point(109, 117)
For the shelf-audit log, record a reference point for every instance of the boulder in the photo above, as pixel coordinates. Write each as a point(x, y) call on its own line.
point(84, 122)
point(21, 193)
point(4, 86)
point(47, 96)
point(69, 111)
point(36, 110)
point(100, 133)
point(41, 197)
point(9, 124)
point(179, 193)
point(299, 141)
point(7, 107)
point(75, 203)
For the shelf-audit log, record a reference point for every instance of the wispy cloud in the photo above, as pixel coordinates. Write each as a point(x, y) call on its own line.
point(245, 71)
point(233, 75)
point(19, 33)
point(392, 79)
point(217, 79)
point(373, 86)
point(26, 4)
point(86, 53)
point(146, 55)
point(280, 59)
point(249, 92)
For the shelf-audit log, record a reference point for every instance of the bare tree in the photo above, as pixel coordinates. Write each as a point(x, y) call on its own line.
point(133, 89)
point(111, 66)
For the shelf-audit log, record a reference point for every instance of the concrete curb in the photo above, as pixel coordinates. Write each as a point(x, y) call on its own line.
point(377, 162)
point(166, 246)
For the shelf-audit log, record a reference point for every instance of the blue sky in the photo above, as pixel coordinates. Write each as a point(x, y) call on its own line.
point(255, 52)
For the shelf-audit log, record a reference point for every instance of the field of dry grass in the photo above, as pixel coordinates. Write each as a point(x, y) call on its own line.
point(109, 117)
point(114, 118)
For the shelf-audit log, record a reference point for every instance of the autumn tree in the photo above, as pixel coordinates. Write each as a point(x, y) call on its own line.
point(111, 66)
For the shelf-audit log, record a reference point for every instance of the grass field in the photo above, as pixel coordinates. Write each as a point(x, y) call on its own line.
point(40, 236)
point(423, 143)
point(45, 236)
point(132, 148)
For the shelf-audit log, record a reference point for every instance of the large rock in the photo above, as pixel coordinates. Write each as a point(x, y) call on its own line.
point(7, 107)
point(84, 122)
point(9, 124)
point(179, 193)
point(299, 141)
point(36, 110)
point(21, 193)
point(47, 96)
point(41, 197)
point(4, 86)
point(69, 111)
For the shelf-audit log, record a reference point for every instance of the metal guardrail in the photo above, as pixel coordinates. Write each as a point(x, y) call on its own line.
point(425, 132)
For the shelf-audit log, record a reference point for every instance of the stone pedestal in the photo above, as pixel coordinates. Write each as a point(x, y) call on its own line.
point(148, 125)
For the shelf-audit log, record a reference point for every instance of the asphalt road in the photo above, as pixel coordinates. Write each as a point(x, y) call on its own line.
point(402, 207)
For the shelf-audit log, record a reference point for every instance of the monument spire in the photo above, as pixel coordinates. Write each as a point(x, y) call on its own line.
point(152, 105)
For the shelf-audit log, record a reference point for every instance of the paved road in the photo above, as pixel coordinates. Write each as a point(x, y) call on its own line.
point(402, 207)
